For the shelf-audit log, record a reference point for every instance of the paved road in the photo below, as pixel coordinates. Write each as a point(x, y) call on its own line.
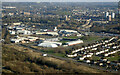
point(106, 34)
point(69, 59)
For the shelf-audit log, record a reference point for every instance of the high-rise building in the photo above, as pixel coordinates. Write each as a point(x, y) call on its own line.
point(119, 12)
point(119, 8)
point(110, 18)
point(26, 13)
point(55, 29)
point(67, 17)
point(113, 15)
point(107, 14)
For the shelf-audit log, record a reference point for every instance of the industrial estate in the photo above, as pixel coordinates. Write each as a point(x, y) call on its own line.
point(85, 35)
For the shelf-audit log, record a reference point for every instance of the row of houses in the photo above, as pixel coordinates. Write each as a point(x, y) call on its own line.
point(95, 45)
point(92, 48)
point(110, 53)
point(104, 49)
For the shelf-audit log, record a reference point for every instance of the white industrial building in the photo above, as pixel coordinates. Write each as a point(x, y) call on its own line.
point(15, 40)
point(12, 32)
point(74, 42)
point(65, 32)
point(25, 32)
point(52, 33)
point(8, 7)
point(46, 44)
point(18, 28)
point(16, 23)
point(52, 39)
point(40, 33)
point(31, 38)
point(18, 39)
point(50, 44)
point(70, 31)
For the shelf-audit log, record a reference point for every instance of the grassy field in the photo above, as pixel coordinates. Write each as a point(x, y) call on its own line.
point(90, 38)
point(115, 58)
point(95, 58)
point(58, 54)
point(53, 53)
point(63, 41)
point(15, 60)
point(71, 37)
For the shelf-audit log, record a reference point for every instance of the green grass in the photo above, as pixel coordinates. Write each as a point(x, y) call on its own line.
point(53, 53)
point(95, 58)
point(71, 37)
point(58, 54)
point(48, 51)
point(115, 58)
point(63, 41)
point(89, 38)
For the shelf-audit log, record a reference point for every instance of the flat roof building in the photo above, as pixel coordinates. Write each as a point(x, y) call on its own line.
point(74, 42)
point(46, 44)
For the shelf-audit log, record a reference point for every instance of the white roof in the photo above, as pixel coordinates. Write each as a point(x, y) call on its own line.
point(52, 33)
point(69, 30)
point(46, 44)
point(15, 39)
point(75, 42)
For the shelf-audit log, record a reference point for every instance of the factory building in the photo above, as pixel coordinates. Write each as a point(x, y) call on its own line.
point(52, 39)
point(15, 40)
point(25, 32)
point(67, 31)
point(52, 33)
point(74, 42)
point(16, 23)
point(50, 44)
point(46, 44)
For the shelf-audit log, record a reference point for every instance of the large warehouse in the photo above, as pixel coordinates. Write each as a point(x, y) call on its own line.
point(74, 42)
point(50, 44)
point(46, 44)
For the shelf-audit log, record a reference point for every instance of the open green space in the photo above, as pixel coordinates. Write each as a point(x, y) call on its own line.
point(89, 38)
point(63, 41)
point(53, 53)
point(58, 54)
point(95, 58)
point(115, 58)
point(71, 37)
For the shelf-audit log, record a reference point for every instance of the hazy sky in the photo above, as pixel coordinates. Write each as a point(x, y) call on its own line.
point(59, 0)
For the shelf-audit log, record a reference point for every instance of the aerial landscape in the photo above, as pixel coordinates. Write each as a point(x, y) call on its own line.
point(60, 37)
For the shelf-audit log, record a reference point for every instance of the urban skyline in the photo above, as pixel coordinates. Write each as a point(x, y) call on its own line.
point(60, 0)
